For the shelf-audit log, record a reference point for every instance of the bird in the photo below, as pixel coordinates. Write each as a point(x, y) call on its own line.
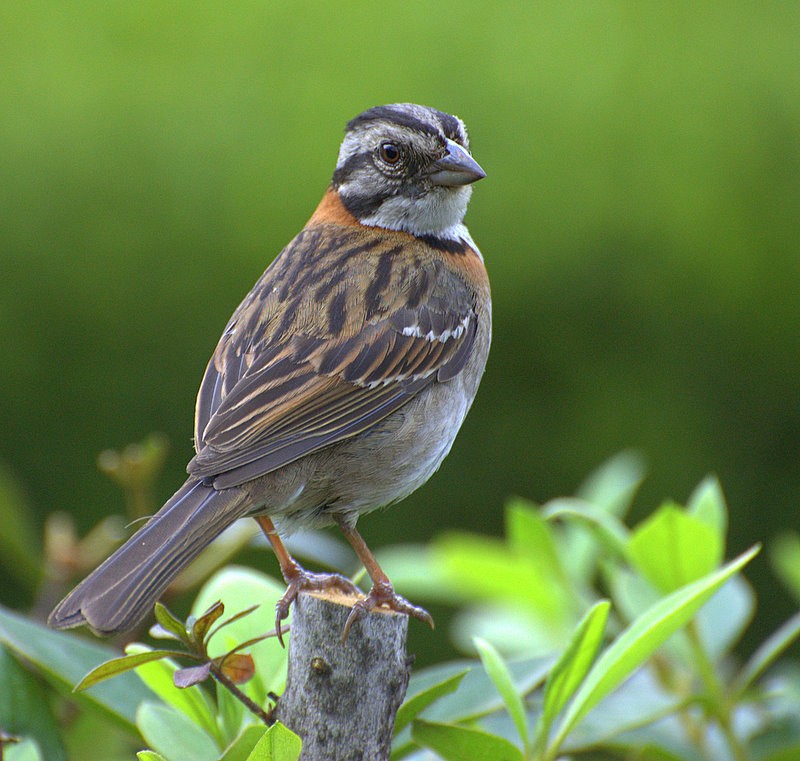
point(340, 382)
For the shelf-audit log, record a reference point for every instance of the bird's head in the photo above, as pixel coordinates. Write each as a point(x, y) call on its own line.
point(406, 167)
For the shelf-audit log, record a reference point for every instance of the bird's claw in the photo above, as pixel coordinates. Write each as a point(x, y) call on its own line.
point(305, 581)
point(382, 595)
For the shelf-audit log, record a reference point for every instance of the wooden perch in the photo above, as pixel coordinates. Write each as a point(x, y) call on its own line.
point(342, 698)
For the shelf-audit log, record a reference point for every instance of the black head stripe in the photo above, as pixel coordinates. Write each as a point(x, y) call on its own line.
point(451, 127)
point(393, 115)
point(353, 164)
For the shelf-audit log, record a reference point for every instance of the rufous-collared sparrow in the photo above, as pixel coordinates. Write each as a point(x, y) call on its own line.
point(341, 380)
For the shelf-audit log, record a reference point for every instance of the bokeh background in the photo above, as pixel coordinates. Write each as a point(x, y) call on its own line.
point(639, 220)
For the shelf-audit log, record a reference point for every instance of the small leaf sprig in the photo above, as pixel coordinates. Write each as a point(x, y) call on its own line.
point(229, 670)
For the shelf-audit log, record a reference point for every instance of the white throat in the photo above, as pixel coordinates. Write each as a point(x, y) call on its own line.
point(438, 212)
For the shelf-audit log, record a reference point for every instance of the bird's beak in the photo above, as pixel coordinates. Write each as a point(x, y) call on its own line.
point(457, 167)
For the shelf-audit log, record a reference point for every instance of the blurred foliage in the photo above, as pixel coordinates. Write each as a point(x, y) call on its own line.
point(616, 643)
point(639, 222)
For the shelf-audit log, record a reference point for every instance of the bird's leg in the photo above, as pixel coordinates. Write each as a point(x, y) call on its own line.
point(382, 593)
point(296, 577)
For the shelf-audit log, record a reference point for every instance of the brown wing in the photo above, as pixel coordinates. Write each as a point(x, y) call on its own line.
point(341, 330)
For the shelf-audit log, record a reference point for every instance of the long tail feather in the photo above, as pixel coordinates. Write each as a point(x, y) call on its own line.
point(120, 593)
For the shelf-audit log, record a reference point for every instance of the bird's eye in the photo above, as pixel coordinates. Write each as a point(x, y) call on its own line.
point(390, 153)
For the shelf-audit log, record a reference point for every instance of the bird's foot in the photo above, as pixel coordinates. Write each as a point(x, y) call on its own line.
point(382, 595)
point(306, 581)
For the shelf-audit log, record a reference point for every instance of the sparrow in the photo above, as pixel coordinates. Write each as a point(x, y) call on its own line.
point(339, 383)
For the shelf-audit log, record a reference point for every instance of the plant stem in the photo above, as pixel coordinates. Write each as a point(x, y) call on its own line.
point(251, 705)
point(717, 699)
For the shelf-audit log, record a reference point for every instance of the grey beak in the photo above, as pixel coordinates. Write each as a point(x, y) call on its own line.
point(456, 168)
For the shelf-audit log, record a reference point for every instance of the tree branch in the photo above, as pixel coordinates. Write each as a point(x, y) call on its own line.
point(342, 698)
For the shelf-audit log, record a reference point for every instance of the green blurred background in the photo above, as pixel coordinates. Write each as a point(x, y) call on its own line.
point(639, 221)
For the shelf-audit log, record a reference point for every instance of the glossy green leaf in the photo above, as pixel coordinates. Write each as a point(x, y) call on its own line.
point(120, 665)
point(641, 639)
point(241, 747)
point(173, 734)
point(65, 658)
point(572, 666)
point(417, 703)
point(671, 548)
point(277, 744)
point(455, 743)
point(193, 702)
point(501, 678)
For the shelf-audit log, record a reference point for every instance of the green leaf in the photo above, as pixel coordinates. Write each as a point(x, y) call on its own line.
point(608, 528)
point(767, 653)
point(672, 548)
point(574, 663)
point(501, 678)
point(25, 750)
point(241, 748)
point(612, 486)
point(19, 547)
point(149, 755)
point(600, 503)
point(25, 708)
point(789, 753)
point(230, 713)
point(477, 568)
point(414, 705)
point(641, 639)
point(454, 743)
point(193, 702)
point(514, 631)
point(475, 697)
point(277, 744)
point(170, 622)
point(529, 534)
point(707, 504)
point(784, 557)
point(724, 618)
point(64, 658)
point(239, 588)
point(173, 735)
point(120, 665)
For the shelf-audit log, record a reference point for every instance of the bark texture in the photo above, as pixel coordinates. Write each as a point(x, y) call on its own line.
point(342, 698)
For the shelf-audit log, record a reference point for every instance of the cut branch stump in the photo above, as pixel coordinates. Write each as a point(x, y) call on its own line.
point(342, 698)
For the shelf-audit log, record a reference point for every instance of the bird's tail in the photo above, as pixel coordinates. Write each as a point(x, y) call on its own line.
point(120, 593)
